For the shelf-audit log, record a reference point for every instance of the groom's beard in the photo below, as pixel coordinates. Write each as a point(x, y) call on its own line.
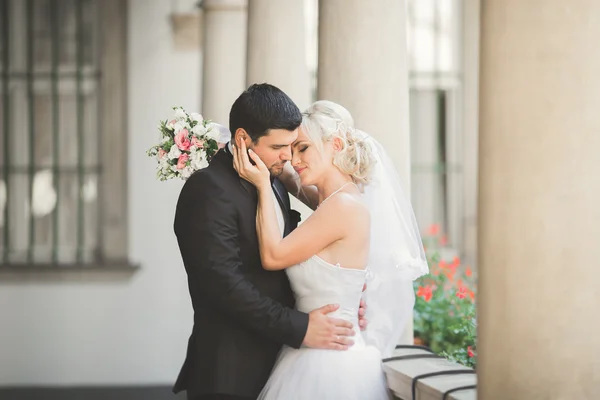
point(277, 169)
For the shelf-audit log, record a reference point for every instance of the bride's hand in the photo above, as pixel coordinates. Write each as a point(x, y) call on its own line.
point(257, 174)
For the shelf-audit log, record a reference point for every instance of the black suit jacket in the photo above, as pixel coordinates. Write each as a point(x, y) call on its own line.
point(242, 313)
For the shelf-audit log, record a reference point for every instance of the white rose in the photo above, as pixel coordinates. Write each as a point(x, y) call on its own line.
point(179, 125)
point(164, 164)
point(164, 167)
point(213, 131)
point(197, 160)
point(180, 114)
point(165, 140)
point(196, 117)
point(199, 130)
point(195, 157)
point(224, 134)
point(186, 172)
point(203, 163)
point(174, 152)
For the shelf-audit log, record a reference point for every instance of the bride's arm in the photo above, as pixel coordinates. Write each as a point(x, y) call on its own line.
point(325, 226)
point(306, 194)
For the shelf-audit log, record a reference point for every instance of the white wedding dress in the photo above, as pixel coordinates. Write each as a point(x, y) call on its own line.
point(314, 374)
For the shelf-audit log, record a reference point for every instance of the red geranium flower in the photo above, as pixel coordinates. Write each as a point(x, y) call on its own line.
point(470, 352)
point(443, 240)
point(425, 292)
point(472, 295)
point(455, 263)
point(434, 229)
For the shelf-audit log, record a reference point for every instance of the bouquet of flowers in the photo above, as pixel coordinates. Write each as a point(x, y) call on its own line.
point(188, 142)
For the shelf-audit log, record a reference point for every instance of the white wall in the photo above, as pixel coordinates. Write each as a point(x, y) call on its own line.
point(106, 329)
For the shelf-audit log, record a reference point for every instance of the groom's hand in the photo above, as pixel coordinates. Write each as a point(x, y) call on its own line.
point(362, 311)
point(325, 332)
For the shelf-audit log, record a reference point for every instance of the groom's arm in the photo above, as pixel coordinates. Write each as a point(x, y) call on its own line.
point(207, 232)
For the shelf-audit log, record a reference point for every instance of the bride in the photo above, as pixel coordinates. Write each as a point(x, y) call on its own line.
point(363, 230)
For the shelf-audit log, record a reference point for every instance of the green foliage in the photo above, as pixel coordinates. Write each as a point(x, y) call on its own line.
point(445, 314)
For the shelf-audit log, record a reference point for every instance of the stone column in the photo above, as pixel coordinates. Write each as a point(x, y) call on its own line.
point(277, 48)
point(539, 200)
point(363, 66)
point(277, 53)
point(471, 10)
point(223, 56)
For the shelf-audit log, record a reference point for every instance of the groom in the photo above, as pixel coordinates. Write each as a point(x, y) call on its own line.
point(243, 314)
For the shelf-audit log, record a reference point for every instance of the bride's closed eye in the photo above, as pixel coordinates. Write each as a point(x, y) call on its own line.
point(302, 149)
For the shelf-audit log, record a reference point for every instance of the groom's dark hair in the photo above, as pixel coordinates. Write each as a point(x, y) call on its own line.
point(262, 107)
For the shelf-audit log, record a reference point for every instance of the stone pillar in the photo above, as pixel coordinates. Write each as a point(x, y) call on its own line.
point(539, 197)
point(277, 48)
point(363, 66)
point(223, 56)
point(471, 10)
point(277, 53)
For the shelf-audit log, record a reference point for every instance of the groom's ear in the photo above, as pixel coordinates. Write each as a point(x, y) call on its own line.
point(241, 135)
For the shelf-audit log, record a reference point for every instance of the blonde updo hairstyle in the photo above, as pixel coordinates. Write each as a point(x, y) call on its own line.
point(323, 121)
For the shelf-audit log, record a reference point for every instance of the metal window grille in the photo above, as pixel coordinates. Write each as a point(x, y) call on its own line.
point(434, 38)
point(50, 152)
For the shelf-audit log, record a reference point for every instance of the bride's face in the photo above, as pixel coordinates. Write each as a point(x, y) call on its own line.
point(310, 163)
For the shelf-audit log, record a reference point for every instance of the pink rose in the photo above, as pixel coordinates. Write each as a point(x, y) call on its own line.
point(197, 142)
point(182, 160)
point(161, 153)
point(182, 141)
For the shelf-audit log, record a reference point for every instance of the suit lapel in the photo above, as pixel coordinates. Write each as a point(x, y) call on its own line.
point(250, 188)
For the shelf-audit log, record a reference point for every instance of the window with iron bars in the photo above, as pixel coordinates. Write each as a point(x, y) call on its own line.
point(63, 143)
point(434, 53)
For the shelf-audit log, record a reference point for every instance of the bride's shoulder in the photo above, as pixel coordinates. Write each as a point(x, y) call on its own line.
point(347, 205)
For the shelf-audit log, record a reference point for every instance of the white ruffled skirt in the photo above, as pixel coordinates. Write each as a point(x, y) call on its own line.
point(313, 374)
